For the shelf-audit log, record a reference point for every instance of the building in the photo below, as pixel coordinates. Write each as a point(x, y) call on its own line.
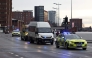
point(6, 13)
point(17, 24)
point(39, 13)
point(25, 15)
point(52, 16)
point(45, 16)
point(76, 22)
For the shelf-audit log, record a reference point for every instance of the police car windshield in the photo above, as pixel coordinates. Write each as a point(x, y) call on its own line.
point(72, 36)
point(15, 31)
point(44, 30)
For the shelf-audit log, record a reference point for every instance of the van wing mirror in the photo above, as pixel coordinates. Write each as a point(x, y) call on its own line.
point(53, 32)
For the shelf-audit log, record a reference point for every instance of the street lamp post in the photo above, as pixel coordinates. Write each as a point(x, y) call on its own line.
point(56, 16)
point(71, 9)
point(58, 11)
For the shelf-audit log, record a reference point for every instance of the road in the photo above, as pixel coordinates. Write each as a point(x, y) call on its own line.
point(13, 47)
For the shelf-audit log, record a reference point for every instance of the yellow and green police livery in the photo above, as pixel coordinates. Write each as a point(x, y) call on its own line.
point(71, 41)
point(15, 33)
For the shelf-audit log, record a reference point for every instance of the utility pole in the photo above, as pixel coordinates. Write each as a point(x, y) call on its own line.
point(71, 9)
point(58, 11)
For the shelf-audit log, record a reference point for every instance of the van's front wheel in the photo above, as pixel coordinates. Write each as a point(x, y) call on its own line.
point(51, 43)
point(37, 41)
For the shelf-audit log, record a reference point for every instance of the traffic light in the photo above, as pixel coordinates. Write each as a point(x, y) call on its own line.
point(66, 20)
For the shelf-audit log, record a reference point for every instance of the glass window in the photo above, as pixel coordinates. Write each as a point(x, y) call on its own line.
point(72, 36)
point(32, 28)
point(44, 30)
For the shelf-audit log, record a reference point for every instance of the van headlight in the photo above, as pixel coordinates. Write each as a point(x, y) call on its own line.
point(26, 33)
point(39, 35)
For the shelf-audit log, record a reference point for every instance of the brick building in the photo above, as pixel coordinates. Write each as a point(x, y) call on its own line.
point(45, 16)
point(17, 24)
point(6, 13)
point(25, 15)
point(76, 22)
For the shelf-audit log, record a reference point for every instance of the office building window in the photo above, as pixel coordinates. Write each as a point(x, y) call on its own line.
point(4, 3)
point(41, 7)
point(41, 13)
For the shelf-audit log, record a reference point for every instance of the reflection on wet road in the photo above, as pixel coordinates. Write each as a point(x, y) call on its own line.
point(13, 47)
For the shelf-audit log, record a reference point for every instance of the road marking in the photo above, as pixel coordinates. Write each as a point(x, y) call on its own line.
point(66, 54)
point(53, 52)
point(16, 55)
point(21, 57)
point(70, 53)
point(86, 56)
point(12, 53)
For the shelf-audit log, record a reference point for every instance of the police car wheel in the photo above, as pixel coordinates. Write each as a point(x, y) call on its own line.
point(84, 48)
point(12, 35)
point(66, 45)
point(21, 38)
point(57, 46)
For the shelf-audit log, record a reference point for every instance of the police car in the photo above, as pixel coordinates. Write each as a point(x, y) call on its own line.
point(15, 33)
point(70, 40)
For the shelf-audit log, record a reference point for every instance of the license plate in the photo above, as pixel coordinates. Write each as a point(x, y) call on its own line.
point(79, 45)
point(46, 41)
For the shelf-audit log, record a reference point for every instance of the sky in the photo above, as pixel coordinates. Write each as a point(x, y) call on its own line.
point(80, 8)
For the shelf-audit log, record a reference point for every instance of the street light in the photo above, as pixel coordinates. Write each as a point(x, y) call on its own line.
point(55, 16)
point(71, 9)
point(58, 11)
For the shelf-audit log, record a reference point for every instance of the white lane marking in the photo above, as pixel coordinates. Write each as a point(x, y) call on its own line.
point(12, 53)
point(53, 52)
point(70, 53)
point(66, 54)
point(16, 55)
point(86, 56)
point(21, 57)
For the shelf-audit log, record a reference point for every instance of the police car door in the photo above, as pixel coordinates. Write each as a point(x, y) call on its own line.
point(63, 40)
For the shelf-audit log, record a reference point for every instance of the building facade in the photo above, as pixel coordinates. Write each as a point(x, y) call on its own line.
point(6, 13)
point(17, 24)
point(25, 15)
point(52, 16)
point(76, 22)
point(45, 16)
point(39, 13)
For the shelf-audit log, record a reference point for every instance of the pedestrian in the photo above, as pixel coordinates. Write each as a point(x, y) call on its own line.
point(57, 33)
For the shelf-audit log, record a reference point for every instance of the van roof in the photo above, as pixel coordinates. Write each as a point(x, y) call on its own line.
point(43, 24)
point(39, 24)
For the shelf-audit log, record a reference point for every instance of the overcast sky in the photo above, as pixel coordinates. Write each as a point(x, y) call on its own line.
point(81, 8)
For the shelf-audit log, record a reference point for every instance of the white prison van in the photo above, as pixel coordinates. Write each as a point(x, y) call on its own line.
point(40, 32)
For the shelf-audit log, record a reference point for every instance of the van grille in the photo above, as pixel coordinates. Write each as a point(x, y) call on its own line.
point(46, 37)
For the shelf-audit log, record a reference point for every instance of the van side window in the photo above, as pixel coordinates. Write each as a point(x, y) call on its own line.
point(32, 28)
